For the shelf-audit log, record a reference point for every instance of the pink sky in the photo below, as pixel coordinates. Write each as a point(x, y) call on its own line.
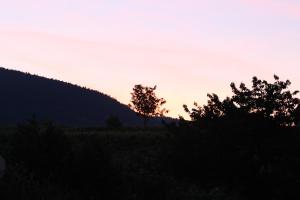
point(188, 48)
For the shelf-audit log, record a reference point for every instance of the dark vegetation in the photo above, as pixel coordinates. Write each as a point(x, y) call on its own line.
point(243, 147)
point(146, 104)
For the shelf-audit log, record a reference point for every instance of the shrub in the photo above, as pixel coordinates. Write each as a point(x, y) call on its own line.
point(41, 149)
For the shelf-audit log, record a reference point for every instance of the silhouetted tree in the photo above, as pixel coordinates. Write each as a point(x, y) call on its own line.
point(214, 111)
point(271, 101)
point(145, 102)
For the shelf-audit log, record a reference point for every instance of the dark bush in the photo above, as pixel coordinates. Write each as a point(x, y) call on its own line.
point(51, 157)
point(251, 161)
point(91, 171)
point(41, 149)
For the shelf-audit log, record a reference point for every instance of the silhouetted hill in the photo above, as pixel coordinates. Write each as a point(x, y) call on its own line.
point(24, 95)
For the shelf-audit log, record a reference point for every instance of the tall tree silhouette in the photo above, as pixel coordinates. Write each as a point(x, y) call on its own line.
point(145, 102)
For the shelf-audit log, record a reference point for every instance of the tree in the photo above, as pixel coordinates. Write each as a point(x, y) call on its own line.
point(214, 111)
point(265, 103)
point(271, 101)
point(145, 102)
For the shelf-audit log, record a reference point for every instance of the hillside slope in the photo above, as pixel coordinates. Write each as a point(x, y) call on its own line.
point(23, 95)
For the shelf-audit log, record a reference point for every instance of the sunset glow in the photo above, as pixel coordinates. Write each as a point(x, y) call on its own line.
point(187, 48)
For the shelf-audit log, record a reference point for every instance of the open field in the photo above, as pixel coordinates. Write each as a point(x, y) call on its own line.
point(47, 162)
point(127, 163)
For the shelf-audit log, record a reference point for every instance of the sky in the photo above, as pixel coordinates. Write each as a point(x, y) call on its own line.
point(188, 48)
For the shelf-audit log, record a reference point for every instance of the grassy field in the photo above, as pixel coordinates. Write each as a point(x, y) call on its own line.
point(48, 162)
point(93, 164)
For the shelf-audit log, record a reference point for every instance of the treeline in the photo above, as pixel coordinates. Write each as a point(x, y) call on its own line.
point(243, 147)
point(264, 104)
point(248, 142)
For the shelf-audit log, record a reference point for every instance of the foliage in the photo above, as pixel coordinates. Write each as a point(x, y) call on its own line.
point(272, 101)
point(48, 156)
point(247, 141)
point(90, 171)
point(207, 115)
point(229, 151)
point(41, 148)
point(145, 102)
point(268, 103)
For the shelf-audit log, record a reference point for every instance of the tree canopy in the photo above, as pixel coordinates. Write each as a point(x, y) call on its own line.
point(145, 102)
point(272, 102)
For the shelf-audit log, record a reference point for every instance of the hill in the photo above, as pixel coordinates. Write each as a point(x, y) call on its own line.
point(24, 95)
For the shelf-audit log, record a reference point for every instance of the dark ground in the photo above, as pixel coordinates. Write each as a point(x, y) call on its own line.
point(46, 162)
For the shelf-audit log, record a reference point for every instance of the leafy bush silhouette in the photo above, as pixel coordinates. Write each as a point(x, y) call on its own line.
point(42, 149)
point(91, 171)
point(48, 155)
